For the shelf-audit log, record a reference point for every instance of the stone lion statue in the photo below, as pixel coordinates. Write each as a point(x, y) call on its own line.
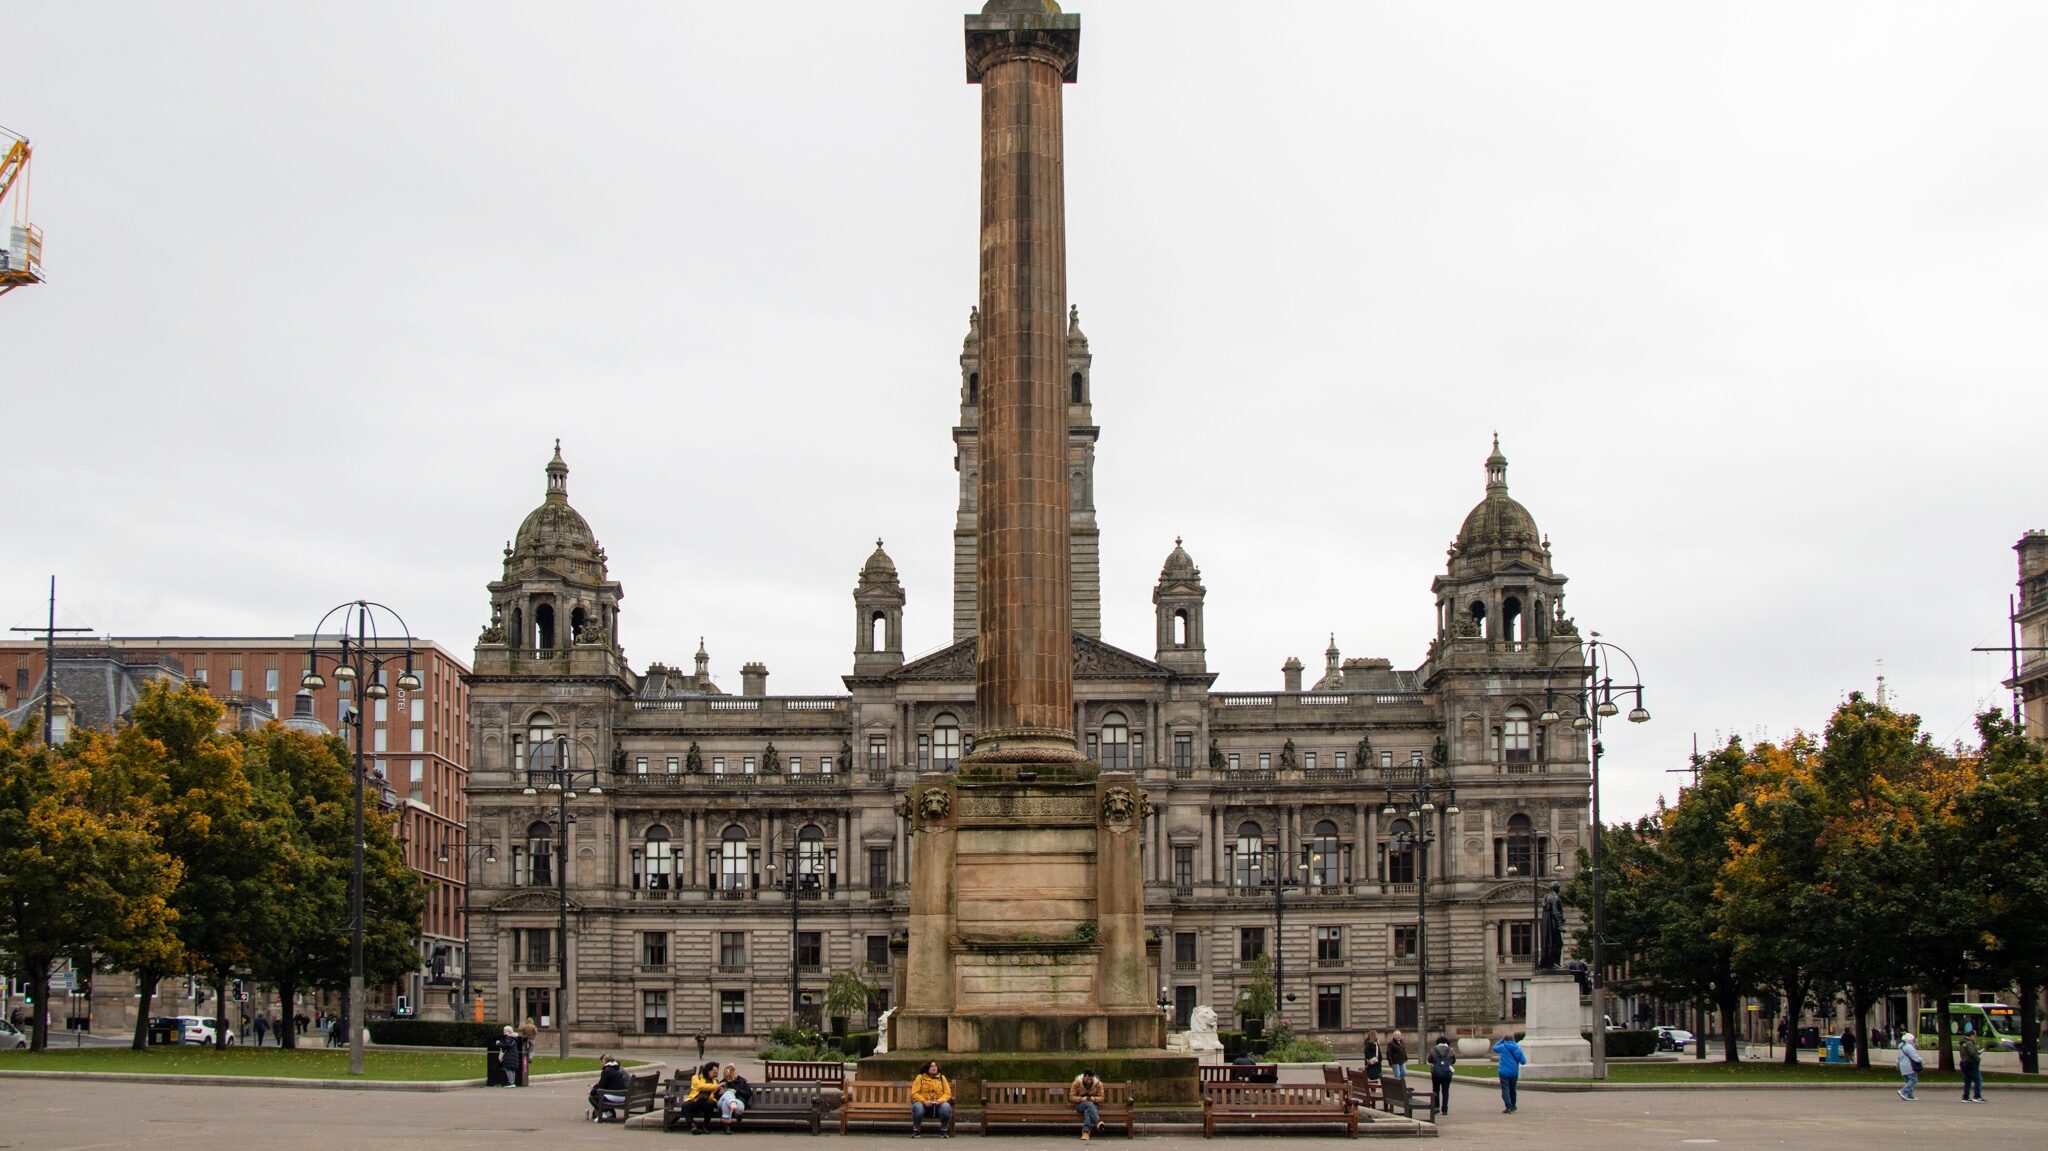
point(1119, 805)
point(1202, 1022)
point(933, 804)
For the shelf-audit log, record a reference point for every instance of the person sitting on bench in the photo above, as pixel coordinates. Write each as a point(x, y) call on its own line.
point(931, 1094)
point(701, 1104)
point(734, 1093)
point(610, 1092)
point(1086, 1094)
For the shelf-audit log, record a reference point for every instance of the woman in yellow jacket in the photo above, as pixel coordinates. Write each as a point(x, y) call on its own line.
point(701, 1104)
point(931, 1094)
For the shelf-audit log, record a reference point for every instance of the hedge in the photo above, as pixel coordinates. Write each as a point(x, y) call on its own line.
point(432, 1032)
point(1628, 1044)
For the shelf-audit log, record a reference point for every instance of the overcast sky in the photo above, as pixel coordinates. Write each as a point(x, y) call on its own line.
point(1752, 292)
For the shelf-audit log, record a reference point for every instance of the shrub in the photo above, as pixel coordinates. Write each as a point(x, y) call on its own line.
point(1630, 1044)
point(1235, 1043)
point(1298, 1050)
point(858, 1044)
point(432, 1032)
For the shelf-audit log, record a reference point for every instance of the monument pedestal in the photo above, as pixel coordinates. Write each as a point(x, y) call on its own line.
point(1555, 1048)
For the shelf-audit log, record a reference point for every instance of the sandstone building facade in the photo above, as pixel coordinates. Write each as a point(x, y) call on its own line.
point(677, 872)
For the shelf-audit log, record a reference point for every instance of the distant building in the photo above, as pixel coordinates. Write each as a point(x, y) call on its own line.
point(415, 750)
point(2030, 626)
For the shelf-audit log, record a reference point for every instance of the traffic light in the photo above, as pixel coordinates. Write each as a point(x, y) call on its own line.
point(404, 1006)
point(241, 995)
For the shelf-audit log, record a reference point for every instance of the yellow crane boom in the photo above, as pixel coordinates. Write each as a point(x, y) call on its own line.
point(21, 261)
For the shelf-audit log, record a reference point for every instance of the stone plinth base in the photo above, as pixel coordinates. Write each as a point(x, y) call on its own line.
point(1553, 1044)
point(1038, 1032)
point(1154, 1076)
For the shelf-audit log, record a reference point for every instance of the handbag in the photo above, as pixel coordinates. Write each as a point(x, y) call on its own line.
point(1918, 1067)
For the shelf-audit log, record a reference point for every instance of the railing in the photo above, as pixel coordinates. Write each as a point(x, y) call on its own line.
point(1184, 966)
point(817, 779)
point(1330, 774)
point(735, 893)
point(732, 969)
point(530, 966)
point(1324, 699)
point(1245, 700)
point(1408, 773)
point(1183, 891)
point(1329, 961)
point(654, 969)
point(741, 704)
point(1246, 775)
point(878, 894)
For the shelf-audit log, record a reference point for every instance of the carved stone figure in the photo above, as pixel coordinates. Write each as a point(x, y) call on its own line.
point(494, 631)
point(845, 755)
point(771, 759)
point(1440, 752)
point(693, 759)
point(1146, 808)
point(1202, 1022)
point(1118, 806)
point(933, 803)
point(1216, 760)
point(1551, 952)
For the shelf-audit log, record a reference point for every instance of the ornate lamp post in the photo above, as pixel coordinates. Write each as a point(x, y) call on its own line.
point(797, 884)
point(1597, 700)
point(489, 851)
point(358, 662)
point(1423, 800)
point(562, 780)
point(1281, 881)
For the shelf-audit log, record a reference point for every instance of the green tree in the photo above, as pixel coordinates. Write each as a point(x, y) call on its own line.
point(303, 941)
point(1256, 1001)
point(1769, 887)
point(81, 869)
point(2007, 814)
point(850, 991)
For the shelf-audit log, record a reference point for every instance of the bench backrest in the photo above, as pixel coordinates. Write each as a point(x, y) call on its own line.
point(871, 1092)
point(1277, 1094)
point(1334, 1074)
point(782, 1095)
point(805, 1071)
point(1048, 1094)
point(1239, 1072)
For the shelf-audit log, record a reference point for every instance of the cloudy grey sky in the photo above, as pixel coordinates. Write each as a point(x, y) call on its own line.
point(1752, 292)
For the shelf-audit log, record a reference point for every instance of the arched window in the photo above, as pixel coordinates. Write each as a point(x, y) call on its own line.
point(539, 750)
point(1248, 856)
point(1511, 620)
point(577, 622)
point(544, 626)
point(945, 742)
point(974, 387)
point(878, 632)
point(1521, 845)
point(1078, 387)
point(1325, 856)
point(1180, 627)
point(1116, 742)
point(661, 859)
point(1478, 613)
point(810, 856)
point(1514, 734)
point(540, 848)
point(518, 627)
point(1400, 852)
point(735, 862)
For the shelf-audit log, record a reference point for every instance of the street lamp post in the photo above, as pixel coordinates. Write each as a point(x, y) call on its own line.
point(1423, 799)
point(796, 886)
point(489, 851)
point(562, 779)
point(1595, 702)
point(1281, 882)
point(359, 662)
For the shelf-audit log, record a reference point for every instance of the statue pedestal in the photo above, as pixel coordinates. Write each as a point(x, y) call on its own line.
point(1553, 1044)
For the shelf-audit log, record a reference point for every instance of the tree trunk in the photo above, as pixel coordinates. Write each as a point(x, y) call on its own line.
point(285, 1024)
point(1795, 994)
point(145, 995)
point(1730, 1004)
point(2030, 1027)
point(1859, 1010)
point(220, 1010)
point(39, 986)
point(1948, 1059)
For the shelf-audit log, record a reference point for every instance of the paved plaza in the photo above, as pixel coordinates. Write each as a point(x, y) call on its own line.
point(73, 1115)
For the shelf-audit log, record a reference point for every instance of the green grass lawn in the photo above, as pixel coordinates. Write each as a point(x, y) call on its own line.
point(315, 1063)
point(1712, 1070)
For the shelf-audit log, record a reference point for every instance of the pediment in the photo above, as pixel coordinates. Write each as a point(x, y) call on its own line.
point(1093, 659)
point(532, 901)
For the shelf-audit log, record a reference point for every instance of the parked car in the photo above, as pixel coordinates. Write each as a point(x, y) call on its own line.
point(10, 1036)
point(1674, 1039)
point(196, 1029)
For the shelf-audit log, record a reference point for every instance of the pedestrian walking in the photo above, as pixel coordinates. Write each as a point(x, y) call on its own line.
point(262, 1029)
point(1971, 1052)
point(1086, 1094)
point(528, 1034)
point(1849, 1044)
point(1441, 1059)
point(1397, 1056)
point(1909, 1065)
point(1510, 1070)
point(931, 1093)
point(1372, 1055)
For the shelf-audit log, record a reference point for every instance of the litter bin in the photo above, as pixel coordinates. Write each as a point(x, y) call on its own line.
point(163, 1032)
point(1834, 1054)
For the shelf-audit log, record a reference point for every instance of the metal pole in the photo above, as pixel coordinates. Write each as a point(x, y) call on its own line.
point(562, 778)
point(355, 893)
point(796, 887)
point(50, 667)
point(1421, 925)
point(1599, 833)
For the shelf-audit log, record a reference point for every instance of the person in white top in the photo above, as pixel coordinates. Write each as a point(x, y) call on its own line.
point(1909, 1065)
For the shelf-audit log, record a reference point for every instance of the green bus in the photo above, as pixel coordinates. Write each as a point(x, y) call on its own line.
point(1997, 1025)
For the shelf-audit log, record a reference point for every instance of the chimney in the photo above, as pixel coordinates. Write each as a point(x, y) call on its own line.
point(1290, 674)
point(754, 679)
point(2033, 549)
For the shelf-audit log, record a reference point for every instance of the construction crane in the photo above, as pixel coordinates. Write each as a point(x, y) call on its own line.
point(21, 262)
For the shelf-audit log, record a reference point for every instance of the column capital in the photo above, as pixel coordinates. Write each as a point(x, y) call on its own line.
point(996, 37)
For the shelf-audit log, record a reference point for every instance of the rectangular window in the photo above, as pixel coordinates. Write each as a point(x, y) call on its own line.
point(1137, 751)
point(1329, 1006)
point(718, 765)
point(1184, 953)
point(924, 753)
point(1251, 943)
point(1308, 761)
point(419, 739)
point(1521, 938)
point(747, 765)
point(270, 680)
point(1265, 761)
point(1404, 941)
point(825, 765)
point(732, 1013)
point(1184, 866)
point(1094, 751)
point(235, 680)
point(1414, 759)
point(418, 771)
point(640, 765)
point(539, 1003)
point(654, 948)
point(1340, 761)
point(1183, 750)
point(654, 1012)
point(1183, 1006)
point(878, 869)
point(1233, 761)
point(1400, 865)
point(1515, 996)
point(810, 949)
point(796, 765)
point(1329, 945)
point(878, 754)
point(878, 952)
point(672, 765)
point(1405, 996)
point(732, 949)
point(382, 736)
point(1386, 760)
point(539, 946)
point(199, 673)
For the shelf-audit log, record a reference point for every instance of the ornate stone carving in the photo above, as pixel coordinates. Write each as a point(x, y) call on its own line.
point(494, 632)
point(846, 755)
point(693, 759)
point(1364, 752)
point(1146, 808)
point(1068, 809)
point(1216, 760)
point(1119, 806)
point(1289, 758)
point(771, 759)
point(933, 804)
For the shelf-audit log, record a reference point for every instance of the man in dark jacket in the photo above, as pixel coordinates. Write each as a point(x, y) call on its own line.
point(610, 1092)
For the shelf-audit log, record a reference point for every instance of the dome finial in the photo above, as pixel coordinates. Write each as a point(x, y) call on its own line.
point(558, 475)
point(1496, 468)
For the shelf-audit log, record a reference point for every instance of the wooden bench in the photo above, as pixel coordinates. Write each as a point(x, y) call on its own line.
point(1043, 1103)
point(1239, 1072)
point(640, 1093)
point(821, 1072)
point(802, 1103)
point(868, 1101)
point(1365, 1091)
point(1400, 1093)
point(1266, 1104)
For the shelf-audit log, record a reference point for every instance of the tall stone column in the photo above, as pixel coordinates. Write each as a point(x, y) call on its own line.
point(1021, 52)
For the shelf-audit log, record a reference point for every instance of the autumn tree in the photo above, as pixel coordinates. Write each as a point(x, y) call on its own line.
point(2007, 817)
point(1770, 886)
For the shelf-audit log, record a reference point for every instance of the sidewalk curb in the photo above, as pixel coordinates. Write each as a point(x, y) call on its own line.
point(276, 1081)
point(1566, 1087)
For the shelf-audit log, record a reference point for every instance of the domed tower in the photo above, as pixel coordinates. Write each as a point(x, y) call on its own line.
point(1177, 600)
point(877, 616)
point(550, 655)
point(1498, 587)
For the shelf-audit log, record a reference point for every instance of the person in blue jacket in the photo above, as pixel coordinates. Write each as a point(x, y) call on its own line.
point(1510, 1070)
